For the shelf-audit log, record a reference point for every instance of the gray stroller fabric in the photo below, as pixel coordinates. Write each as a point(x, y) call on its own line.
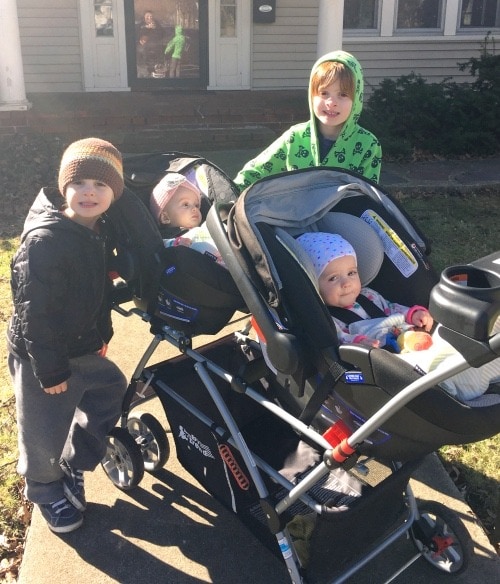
point(298, 204)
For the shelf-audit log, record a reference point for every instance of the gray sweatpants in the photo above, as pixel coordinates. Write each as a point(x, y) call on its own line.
point(70, 425)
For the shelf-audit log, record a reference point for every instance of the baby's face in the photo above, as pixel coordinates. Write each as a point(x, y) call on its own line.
point(339, 283)
point(183, 209)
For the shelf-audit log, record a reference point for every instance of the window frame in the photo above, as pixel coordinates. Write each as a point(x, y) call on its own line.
point(475, 29)
point(368, 31)
point(438, 30)
point(143, 83)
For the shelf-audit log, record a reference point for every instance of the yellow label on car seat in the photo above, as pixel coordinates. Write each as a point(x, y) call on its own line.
point(395, 248)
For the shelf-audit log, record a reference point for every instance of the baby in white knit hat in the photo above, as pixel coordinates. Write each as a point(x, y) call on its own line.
point(176, 205)
point(351, 306)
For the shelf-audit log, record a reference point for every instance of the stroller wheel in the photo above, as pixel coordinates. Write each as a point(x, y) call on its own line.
point(123, 459)
point(442, 538)
point(152, 439)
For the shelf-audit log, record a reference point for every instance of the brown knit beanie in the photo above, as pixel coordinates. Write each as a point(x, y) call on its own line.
point(92, 158)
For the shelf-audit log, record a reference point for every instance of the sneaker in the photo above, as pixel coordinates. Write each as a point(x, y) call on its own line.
point(61, 516)
point(74, 488)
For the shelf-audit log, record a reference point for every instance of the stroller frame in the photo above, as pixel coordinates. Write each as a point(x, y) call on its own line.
point(411, 521)
point(215, 394)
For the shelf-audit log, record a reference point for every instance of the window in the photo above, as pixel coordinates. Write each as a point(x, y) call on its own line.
point(103, 17)
point(228, 18)
point(361, 14)
point(412, 14)
point(166, 39)
point(480, 14)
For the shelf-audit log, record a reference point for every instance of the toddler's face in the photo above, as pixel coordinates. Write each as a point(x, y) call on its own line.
point(183, 209)
point(339, 283)
point(87, 199)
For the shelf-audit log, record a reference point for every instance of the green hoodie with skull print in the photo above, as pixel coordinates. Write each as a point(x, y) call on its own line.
point(355, 149)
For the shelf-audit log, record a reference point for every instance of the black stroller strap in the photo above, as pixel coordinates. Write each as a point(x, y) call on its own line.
point(348, 316)
point(325, 386)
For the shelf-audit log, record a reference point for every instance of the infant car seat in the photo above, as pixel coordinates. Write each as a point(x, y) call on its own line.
point(176, 286)
point(297, 329)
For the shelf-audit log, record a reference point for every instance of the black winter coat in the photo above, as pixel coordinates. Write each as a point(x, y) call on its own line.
point(60, 289)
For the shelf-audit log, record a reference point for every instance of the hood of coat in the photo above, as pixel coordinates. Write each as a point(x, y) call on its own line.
point(46, 212)
point(351, 124)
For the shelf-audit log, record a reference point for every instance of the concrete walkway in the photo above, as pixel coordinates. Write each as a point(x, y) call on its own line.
point(170, 530)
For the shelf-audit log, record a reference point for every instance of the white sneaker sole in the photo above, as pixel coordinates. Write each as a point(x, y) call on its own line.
point(65, 528)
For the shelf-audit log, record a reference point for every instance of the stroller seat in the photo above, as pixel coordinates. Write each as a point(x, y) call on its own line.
point(300, 338)
point(177, 286)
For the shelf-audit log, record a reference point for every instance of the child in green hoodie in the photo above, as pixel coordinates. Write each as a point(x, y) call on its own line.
point(332, 137)
point(176, 47)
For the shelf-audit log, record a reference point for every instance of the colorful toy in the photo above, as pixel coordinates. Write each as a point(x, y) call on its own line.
point(414, 341)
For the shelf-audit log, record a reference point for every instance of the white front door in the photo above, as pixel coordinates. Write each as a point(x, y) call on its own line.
point(103, 43)
point(229, 44)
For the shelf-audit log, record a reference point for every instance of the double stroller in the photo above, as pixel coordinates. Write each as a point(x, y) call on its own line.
point(309, 442)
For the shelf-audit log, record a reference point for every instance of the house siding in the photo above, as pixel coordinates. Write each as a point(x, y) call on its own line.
point(283, 52)
point(433, 59)
point(50, 45)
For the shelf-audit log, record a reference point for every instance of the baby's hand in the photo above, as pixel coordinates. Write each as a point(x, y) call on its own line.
point(185, 241)
point(422, 319)
point(103, 350)
point(366, 341)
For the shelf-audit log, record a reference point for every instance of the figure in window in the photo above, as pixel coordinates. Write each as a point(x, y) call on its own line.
point(176, 46)
point(150, 37)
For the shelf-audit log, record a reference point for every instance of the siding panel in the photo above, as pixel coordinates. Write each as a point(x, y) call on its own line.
point(433, 59)
point(50, 45)
point(283, 52)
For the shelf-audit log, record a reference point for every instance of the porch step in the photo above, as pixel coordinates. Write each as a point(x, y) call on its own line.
point(193, 140)
point(178, 120)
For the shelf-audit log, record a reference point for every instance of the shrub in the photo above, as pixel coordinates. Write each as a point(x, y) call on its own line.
point(444, 119)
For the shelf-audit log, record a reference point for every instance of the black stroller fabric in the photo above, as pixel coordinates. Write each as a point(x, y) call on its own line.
point(179, 286)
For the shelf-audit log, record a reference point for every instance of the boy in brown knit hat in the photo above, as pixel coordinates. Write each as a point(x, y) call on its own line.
point(68, 396)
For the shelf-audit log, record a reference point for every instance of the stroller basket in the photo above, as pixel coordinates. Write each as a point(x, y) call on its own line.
point(344, 500)
point(202, 408)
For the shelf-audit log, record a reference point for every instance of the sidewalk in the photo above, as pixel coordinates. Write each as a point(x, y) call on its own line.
point(170, 530)
point(440, 176)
